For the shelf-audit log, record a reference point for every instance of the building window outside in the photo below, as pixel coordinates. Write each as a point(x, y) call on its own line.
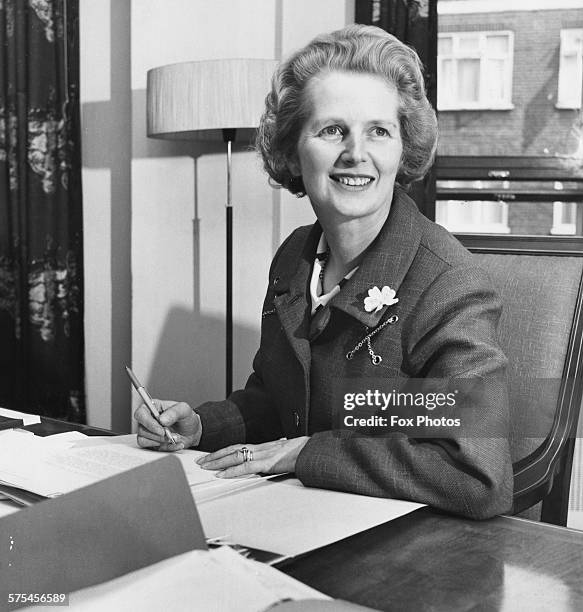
point(474, 70)
point(570, 68)
point(564, 219)
point(473, 216)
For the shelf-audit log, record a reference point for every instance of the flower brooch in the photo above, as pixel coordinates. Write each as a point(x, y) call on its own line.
point(377, 298)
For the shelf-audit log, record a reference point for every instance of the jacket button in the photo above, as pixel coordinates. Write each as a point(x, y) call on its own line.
point(276, 280)
point(297, 419)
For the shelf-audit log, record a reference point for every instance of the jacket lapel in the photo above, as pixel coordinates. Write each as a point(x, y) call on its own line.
point(386, 263)
point(292, 297)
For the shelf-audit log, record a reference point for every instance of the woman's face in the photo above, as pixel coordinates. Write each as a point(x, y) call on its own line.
point(350, 147)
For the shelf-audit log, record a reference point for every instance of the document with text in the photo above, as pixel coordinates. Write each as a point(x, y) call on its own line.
point(54, 465)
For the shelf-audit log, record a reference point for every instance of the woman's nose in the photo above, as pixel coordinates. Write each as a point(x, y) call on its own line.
point(355, 150)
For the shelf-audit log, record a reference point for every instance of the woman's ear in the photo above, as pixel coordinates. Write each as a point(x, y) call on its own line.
point(293, 165)
point(400, 169)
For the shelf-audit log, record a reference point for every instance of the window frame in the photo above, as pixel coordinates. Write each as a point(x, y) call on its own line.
point(483, 103)
point(518, 169)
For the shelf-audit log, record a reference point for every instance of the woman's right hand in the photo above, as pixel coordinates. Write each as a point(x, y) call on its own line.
point(178, 417)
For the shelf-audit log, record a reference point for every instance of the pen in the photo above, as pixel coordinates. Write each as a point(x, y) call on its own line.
point(143, 392)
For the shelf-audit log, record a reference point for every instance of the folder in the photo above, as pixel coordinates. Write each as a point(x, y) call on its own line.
point(97, 533)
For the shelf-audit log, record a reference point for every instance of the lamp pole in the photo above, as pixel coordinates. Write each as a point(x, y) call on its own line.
point(229, 137)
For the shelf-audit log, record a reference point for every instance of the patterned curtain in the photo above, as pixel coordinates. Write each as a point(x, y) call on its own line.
point(41, 265)
point(415, 23)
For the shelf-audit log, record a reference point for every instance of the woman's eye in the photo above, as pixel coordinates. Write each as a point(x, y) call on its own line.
point(380, 132)
point(331, 131)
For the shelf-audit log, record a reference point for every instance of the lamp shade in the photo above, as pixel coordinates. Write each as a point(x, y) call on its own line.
point(191, 97)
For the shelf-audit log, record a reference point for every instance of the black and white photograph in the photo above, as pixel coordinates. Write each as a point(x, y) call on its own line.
point(291, 305)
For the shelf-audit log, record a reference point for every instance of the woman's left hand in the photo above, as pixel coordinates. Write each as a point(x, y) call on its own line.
point(274, 457)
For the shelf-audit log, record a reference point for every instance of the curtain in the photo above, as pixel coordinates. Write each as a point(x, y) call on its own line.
point(41, 284)
point(415, 23)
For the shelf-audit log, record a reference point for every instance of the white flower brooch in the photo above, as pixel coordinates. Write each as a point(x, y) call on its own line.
point(377, 298)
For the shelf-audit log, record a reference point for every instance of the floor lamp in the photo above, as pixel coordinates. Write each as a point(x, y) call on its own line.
point(210, 100)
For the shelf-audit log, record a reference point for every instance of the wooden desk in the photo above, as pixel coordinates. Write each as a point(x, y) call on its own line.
point(431, 561)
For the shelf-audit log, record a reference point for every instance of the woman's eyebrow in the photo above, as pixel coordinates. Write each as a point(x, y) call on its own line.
point(333, 119)
point(383, 122)
point(327, 120)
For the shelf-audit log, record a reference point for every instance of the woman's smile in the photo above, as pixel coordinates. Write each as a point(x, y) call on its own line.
point(353, 182)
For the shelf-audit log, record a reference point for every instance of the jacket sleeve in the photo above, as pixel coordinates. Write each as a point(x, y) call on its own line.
point(247, 415)
point(450, 334)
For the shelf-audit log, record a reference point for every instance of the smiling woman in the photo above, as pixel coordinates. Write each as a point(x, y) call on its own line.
point(372, 294)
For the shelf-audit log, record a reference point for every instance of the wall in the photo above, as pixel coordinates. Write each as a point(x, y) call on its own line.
point(106, 154)
point(154, 210)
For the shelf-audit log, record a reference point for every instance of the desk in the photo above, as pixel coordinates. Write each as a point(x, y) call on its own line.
point(431, 561)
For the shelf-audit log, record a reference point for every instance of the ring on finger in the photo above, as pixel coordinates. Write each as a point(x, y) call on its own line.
point(247, 454)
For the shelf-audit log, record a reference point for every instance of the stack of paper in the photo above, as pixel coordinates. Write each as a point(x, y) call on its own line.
point(53, 465)
point(199, 580)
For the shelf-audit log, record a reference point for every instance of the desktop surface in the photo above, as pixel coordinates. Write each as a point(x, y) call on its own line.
point(431, 561)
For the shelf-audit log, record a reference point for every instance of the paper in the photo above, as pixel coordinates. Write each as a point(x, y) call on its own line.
point(65, 438)
point(111, 451)
point(197, 580)
point(58, 464)
point(40, 465)
point(29, 419)
point(290, 519)
point(125, 450)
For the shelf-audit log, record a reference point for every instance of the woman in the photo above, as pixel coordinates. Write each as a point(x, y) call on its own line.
point(373, 289)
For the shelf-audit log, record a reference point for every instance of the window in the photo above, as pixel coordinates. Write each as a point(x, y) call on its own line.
point(474, 70)
point(564, 218)
point(570, 69)
point(510, 180)
point(473, 216)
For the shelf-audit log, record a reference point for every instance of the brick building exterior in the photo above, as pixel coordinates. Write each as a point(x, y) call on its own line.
point(535, 126)
point(533, 123)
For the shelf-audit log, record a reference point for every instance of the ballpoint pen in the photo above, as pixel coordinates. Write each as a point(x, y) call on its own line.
point(143, 392)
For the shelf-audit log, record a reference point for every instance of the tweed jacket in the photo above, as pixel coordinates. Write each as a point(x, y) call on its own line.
point(447, 317)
